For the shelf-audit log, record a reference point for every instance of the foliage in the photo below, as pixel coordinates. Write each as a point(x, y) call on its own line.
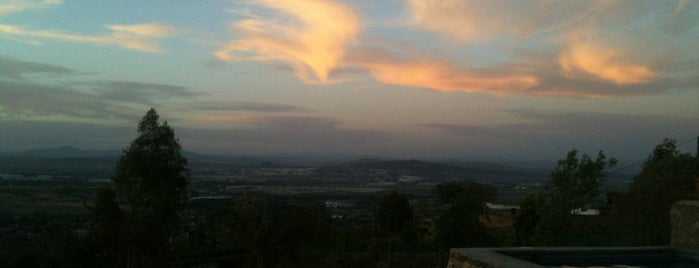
point(547, 218)
point(394, 213)
point(301, 235)
point(667, 176)
point(527, 218)
point(458, 223)
point(575, 181)
point(151, 177)
point(453, 192)
point(248, 230)
point(106, 236)
point(265, 235)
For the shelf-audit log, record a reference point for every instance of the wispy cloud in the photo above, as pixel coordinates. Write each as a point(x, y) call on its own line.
point(138, 92)
point(446, 76)
point(246, 106)
point(309, 35)
point(584, 57)
point(483, 21)
point(585, 49)
point(148, 30)
point(615, 45)
point(63, 95)
point(15, 6)
point(142, 37)
point(16, 69)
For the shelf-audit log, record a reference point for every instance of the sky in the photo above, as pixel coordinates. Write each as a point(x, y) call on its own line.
point(424, 79)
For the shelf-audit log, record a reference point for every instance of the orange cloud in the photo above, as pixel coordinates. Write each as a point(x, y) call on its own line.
point(584, 57)
point(138, 37)
point(311, 37)
point(447, 77)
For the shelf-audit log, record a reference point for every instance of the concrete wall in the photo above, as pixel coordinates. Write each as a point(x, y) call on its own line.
point(684, 219)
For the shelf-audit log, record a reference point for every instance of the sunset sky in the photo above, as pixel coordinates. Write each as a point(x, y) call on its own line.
point(425, 79)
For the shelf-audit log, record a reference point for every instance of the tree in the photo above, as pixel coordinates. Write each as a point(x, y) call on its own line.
point(643, 213)
point(395, 212)
point(152, 178)
point(526, 219)
point(249, 230)
point(575, 181)
point(105, 239)
point(301, 235)
point(574, 185)
point(452, 192)
point(458, 223)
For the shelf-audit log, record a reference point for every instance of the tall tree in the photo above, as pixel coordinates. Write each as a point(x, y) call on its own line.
point(152, 178)
point(643, 213)
point(575, 181)
point(574, 185)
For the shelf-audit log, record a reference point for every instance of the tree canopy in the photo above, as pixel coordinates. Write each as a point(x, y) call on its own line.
point(458, 223)
point(151, 178)
point(546, 218)
point(575, 181)
point(667, 176)
point(395, 212)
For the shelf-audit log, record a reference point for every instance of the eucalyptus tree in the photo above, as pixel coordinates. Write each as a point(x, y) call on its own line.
point(152, 179)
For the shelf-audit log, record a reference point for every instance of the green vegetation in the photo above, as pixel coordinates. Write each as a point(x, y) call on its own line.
point(667, 176)
point(635, 218)
point(151, 180)
point(395, 213)
point(549, 217)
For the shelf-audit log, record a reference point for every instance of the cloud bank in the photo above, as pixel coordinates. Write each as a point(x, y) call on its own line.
point(604, 45)
point(61, 94)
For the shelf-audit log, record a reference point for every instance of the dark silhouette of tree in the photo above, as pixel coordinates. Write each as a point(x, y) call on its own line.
point(105, 240)
point(451, 192)
point(574, 185)
point(393, 215)
point(526, 219)
point(249, 231)
point(270, 234)
point(575, 181)
point(151, 178)
point(395, 212)
point(643, 213)
point(302, 235)
point(458, 223)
